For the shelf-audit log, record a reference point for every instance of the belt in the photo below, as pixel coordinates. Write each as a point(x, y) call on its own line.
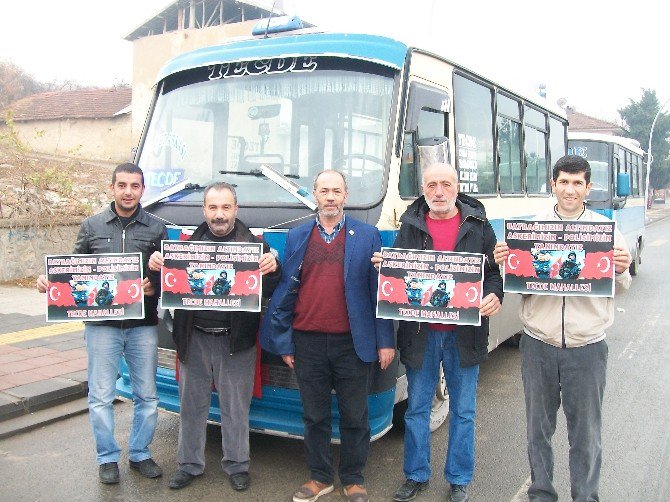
point(213, 331)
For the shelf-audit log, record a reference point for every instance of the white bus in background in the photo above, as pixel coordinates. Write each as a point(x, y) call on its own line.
point(268, 113)
point(618, 176)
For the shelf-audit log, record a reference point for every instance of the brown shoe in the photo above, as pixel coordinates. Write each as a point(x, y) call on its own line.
point(311, 491)
point(355, 493)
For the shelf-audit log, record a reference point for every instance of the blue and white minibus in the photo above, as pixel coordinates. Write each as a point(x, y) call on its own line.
point(269, 112)
point(618, 177)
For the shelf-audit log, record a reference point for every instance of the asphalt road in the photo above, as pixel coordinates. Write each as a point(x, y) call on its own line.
point(57, 462)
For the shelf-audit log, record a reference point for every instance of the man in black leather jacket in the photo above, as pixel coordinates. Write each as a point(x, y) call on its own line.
point(123, 227)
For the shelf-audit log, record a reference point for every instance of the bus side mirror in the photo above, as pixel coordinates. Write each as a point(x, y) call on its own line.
point(623, 185)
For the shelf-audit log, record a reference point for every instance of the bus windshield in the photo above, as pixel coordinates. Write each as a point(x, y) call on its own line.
point(208, 126)
point(597, 154)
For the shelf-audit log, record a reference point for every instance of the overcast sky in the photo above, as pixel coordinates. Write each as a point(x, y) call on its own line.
point(590, 52)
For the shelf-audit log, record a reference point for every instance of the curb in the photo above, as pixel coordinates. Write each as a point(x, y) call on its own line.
point(37, 396)
point(30, 421)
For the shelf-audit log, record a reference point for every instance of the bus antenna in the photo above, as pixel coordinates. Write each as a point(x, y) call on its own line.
point(272, 11)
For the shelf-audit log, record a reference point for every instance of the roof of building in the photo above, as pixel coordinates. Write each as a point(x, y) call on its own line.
point(80, 103)
point(177, 15)
point(580, 122)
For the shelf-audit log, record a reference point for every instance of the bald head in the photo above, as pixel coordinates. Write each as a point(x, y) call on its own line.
point(439, 182)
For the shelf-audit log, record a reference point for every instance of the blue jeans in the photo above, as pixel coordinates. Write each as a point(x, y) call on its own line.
point(105, 345)
point(462, 386)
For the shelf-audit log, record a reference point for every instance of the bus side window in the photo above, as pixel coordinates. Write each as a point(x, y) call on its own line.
point(474, 123)
point(535, 150)
point(508, 125)
point(408, 184)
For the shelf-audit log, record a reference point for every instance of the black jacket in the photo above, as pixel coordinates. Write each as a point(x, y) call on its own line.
point(243, 325)
point(104, 233)
point(475, 235)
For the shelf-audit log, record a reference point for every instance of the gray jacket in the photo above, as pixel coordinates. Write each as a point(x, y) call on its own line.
point(104, 233)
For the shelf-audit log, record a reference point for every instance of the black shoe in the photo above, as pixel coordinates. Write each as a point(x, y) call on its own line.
point(109, 473)
point(180, 479)
point(459, 493)
point(409, 490)
point(147, 468)
point(240, 481)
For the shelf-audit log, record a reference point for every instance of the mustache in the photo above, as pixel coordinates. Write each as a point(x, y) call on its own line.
point(219, 220)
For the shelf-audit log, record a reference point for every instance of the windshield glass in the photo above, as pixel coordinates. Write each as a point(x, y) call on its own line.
point(597, 154)
point(299, 116)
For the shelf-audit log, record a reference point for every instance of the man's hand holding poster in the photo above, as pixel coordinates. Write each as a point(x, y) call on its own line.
point(430, 286)
point(567, 258)
point(94, 287)
point(211, 275)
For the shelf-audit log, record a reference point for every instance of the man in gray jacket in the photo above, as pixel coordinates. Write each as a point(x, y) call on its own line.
point(123, 227)
point(564, 354)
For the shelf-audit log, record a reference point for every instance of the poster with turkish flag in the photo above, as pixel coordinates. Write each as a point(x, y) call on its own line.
point(94, 287)
point(206, 275)
point(430, 286)
point(562, 258)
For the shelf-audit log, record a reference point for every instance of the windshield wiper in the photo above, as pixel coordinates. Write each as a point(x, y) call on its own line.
point(257, 172)
point(174, 189)
point(291, 187)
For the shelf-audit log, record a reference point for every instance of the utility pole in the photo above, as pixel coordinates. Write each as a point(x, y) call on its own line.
point(650, 158)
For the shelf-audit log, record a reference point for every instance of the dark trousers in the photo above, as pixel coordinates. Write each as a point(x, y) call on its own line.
point(324, 362)
point(575, 376)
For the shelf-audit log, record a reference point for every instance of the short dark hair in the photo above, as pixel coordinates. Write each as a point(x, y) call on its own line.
point(218, 186)
point(572, 253)
point(127, 168)
point(572, 164)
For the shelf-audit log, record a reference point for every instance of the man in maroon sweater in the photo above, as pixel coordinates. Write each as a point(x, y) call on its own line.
point(321, 320)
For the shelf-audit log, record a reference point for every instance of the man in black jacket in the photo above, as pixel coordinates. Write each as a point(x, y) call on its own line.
point(123, 227)
point(444, 220)
point(218, 346)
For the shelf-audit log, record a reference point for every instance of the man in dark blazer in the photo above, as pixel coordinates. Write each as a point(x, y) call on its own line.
point(321, 320)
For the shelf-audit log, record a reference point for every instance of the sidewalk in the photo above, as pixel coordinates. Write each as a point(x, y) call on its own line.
point(43, 366)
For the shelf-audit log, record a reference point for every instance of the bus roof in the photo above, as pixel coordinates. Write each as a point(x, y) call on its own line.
point(377, 49)
point(630, 143)
point(311, 42)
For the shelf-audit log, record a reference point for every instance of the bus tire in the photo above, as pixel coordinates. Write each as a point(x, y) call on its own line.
point(439, 408)
point(636, 261)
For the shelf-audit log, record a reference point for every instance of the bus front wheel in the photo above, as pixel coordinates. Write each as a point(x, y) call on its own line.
point(636, 261)
point(438, 411)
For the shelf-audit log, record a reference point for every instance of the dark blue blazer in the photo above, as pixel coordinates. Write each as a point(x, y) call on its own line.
point(360, 291)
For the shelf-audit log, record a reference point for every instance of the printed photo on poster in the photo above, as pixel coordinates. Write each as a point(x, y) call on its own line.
point(211, 275)
point(430, 286)
point(94, 287)
point(566, 258)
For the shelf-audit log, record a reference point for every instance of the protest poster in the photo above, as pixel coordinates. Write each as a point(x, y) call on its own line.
point(206, 275)
point(94, 287)
point(430, 286)
point(563, 257)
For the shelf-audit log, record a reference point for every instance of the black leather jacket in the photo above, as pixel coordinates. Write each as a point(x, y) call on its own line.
point(475, 235)
point(243, 325)
point(104, 233)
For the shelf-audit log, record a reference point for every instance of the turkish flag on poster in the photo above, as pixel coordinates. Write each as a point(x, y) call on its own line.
point(128, 292)
point(598, 265)
point(392, 290)
point(208, 286)
point(520, 263)
point(425, 298)
point(555, 268)
point(246, 283)
point(466, 295)
point(59, 294)
point(175, 281)
point(91, 296)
